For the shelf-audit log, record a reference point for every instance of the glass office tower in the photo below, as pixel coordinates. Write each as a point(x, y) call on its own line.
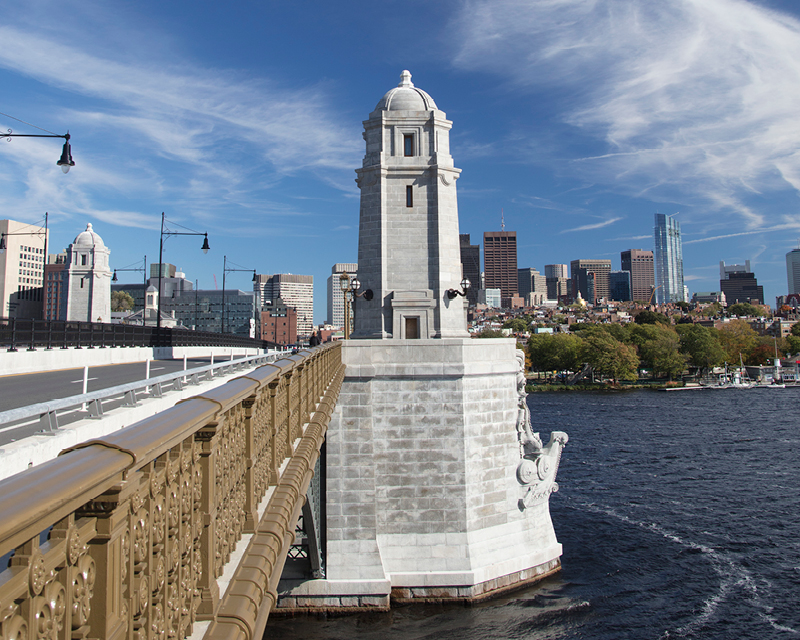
point(668, 260)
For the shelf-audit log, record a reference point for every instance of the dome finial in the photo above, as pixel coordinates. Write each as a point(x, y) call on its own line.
point(405, 79)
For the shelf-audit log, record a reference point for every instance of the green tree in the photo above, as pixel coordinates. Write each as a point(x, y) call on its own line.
point(490, 333)
point(793, 342)
point(517, 325)
point(641, 334)
point(796, 329)
point(747, 310)
point(701, 345)
point(555, 352)
point(738, 339)
point(610, 357)
point(663, 352)
point(713, 309)
point(616, 330)
point(650, 317)
point(763, 353)
point(121, 301)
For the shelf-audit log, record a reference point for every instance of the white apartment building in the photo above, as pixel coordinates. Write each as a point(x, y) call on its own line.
point(21, 269)
point(296, 291)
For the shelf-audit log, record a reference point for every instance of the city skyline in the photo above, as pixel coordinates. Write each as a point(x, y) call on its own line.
point(571, 117)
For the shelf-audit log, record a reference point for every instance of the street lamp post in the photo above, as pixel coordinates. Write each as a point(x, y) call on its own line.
point(169, 233)
point(226, 270)
point(350, 291)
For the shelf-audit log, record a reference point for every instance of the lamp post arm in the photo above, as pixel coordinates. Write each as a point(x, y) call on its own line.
point(9, 134)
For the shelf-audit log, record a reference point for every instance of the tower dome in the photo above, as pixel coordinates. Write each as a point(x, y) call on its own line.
point(88, 238)
point(406, 97)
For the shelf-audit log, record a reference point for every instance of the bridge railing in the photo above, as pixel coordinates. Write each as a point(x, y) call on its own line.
point(126, 537)
point(20, 333)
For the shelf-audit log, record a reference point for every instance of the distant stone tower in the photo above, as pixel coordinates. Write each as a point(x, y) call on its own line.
point(408, 249)
point(88, 291)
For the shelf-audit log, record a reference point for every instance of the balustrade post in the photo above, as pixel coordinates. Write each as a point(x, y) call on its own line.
point(206, 440)
point(251, 500)
point(302, 386)
point(275, 444)
point(117, 553)
point(289, 419)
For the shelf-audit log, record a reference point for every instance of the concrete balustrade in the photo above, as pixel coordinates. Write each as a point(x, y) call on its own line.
point(127, 536)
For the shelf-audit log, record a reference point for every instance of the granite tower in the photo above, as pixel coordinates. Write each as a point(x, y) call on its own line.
point(408, 247)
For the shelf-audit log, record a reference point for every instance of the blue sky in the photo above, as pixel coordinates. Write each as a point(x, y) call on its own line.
point(579, 119)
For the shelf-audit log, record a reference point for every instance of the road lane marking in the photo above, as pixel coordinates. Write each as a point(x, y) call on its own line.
point(81, 380)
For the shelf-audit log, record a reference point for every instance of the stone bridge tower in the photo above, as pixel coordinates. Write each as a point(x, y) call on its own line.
point(436, 487)
point(408, 249)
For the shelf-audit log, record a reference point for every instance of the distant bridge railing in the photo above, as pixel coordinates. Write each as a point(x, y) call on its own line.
point(19, 333)
point(126, 537)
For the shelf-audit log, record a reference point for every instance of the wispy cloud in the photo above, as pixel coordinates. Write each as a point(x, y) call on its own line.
point(596, 225)
point(209, 139)
point(789, 226)
point(647, 237)
point(696, 97)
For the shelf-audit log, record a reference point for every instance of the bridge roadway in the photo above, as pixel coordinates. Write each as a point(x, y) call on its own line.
point(25, 389)
point(22, 390)
point(141, 527)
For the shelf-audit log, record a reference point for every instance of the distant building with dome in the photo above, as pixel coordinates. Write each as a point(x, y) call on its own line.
point(87, 295)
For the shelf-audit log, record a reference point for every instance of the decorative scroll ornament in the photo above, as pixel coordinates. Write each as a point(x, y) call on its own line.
point(538, 464)
point(82, 590)
point(38, 575)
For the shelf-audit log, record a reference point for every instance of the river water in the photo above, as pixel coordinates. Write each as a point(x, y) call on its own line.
point(679, 516)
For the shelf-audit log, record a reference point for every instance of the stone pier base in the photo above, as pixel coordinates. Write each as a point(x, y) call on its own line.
point(423, 502)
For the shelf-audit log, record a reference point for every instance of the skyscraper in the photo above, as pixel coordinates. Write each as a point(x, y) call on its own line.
point(557, 278)
point(471, 266)
point(556, 271)
point(739, 283)
point(500, 262)
point(594, 287)
point(532, 286)
point(668, 259)
point(793, 270)
point(619, 285)
point(640, 265)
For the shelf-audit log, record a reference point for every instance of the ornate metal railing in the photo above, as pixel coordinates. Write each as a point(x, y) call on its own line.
point(126, 537)
point(19, 333)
